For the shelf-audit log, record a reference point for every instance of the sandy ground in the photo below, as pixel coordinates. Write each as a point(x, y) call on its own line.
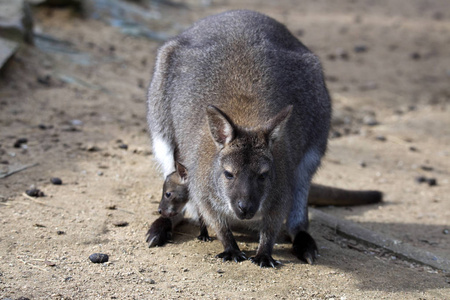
point(77, 109)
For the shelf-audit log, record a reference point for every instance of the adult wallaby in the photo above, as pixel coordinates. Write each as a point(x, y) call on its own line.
point(175, 196)
point(246, 104)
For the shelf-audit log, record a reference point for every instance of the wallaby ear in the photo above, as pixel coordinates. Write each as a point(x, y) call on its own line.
point(220, 126)
point(182, 171)
point(274, 128)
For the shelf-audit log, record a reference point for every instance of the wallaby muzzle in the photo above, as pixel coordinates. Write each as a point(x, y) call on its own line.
point(245, 210)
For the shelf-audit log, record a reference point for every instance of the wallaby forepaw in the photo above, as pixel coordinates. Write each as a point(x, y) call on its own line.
point(204, 238)
point(305, 248)
point(232, 255)
point(264, 261)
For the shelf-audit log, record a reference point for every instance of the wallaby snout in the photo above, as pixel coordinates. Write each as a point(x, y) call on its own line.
point(246, 209)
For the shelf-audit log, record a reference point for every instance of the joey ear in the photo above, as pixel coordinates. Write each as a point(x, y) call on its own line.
point(220, 126)
point(181, 171)
point(274, 128)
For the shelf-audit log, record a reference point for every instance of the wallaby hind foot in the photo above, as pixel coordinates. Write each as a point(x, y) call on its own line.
point(305, 248)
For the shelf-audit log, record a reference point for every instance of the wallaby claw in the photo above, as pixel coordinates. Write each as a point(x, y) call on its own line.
point(157, 240)
point(265, 261)
point(204, 238)
point(305, 248)
point(309, 258)
point(232, 255)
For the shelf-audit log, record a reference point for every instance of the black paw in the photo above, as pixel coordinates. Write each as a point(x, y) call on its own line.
point(265, 261)
point(204, 238)
point(234, 255)
point(304, 247)
point(160, 232)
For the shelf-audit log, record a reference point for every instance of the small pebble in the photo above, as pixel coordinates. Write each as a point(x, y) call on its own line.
point(98, 258)
point(56, 181)
point(120, 223)
point(421, 179)
point(123, 146)
point(60, 232)
point(49, 263)
point(413, 149)
point(44, 80)
point(335, 134)
point(445, 231)
point(360, 48)
point(19, 142)
point(34, 192)
point(426, 168)
point(220, 271)
point(92, 148)
point(415, 56)
point(76, 122)
point(363, 164)
point(370, 120)
point(380, 138)
point(432, 181)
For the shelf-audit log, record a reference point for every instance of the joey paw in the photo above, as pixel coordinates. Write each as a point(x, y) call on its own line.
point(305, 248)
point(159, 239)
point(264, 261)
point(204, 238)
point(160, 232)
point(232, 255)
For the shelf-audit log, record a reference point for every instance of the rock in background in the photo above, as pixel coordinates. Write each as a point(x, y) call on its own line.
point(16, 21)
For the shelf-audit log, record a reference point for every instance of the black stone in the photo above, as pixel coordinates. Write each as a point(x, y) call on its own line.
point(56, 181)
point(98, 258)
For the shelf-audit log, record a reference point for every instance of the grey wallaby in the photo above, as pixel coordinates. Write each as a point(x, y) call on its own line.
point(175, 195)
point(246, 106)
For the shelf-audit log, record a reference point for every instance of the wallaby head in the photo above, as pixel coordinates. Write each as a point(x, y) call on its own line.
point(243, 167)
point(175, 192)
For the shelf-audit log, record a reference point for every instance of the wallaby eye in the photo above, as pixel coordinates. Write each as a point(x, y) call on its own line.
point(263, 176)
point(168, 194)
point(228, 175)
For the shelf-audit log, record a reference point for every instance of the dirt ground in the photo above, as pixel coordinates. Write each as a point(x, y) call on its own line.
point(387, 66)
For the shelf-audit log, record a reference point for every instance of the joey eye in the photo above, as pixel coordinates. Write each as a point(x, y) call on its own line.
point(228, 175)
point(168, 194)
point(263, 176)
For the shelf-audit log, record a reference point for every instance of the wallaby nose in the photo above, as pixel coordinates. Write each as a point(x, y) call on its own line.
point(159, 210)
point(244, 207)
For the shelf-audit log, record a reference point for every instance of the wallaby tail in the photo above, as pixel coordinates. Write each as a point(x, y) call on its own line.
point(321, 195)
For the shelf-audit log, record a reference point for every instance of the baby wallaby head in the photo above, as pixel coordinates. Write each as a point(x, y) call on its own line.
point(175, 193)
point(244, 170)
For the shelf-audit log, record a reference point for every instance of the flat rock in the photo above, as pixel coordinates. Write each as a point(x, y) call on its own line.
point(16, 21)
point(7, 50)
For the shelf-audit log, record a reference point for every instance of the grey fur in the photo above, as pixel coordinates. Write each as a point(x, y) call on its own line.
point(251, 69)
